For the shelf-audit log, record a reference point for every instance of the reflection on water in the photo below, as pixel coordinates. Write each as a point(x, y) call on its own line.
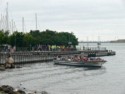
point(94, 71)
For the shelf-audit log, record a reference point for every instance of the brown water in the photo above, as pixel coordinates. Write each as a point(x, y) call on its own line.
point(70, 80)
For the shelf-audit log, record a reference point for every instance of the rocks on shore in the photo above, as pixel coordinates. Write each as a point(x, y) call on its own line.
point(6, 89)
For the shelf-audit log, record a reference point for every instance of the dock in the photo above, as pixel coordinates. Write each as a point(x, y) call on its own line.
point(97, 52)
point(46, 56)
point(34, 56)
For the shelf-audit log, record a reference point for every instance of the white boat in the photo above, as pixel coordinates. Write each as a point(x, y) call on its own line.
point(89, 63)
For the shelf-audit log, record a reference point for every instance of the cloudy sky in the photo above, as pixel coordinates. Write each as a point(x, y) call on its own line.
point(87, 19)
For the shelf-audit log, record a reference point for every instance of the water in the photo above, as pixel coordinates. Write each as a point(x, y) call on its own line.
point(70, 80)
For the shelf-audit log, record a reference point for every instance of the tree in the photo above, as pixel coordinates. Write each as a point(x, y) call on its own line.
point(34, 38)
point(1, 37)
point(4, 37)
point(17, 38)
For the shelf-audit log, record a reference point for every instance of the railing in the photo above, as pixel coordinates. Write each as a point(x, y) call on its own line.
point(34, 56)
point(95, 48)
point(26, 57)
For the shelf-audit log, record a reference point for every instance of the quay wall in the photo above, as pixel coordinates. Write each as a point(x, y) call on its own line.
point(34, 56)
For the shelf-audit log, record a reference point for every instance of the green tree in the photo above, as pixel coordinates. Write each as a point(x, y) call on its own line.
point(17, 38)
point(4, 37)
point(1, 37)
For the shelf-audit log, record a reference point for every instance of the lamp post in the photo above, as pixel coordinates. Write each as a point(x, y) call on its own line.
point(70, 43)
point(15, 40)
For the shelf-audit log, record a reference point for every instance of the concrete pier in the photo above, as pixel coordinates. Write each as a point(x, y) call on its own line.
point(34, 56)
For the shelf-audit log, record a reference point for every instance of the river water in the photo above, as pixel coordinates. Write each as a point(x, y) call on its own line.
point(110, 79)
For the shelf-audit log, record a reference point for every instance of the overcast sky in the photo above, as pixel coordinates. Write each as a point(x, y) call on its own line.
point(85, 18)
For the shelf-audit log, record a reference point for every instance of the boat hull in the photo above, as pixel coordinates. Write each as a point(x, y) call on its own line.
point(79, 64)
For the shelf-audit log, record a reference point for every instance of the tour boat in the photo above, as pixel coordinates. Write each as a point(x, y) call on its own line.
point(88, 63)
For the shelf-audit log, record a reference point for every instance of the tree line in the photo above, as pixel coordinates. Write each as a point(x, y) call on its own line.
point(36, 37)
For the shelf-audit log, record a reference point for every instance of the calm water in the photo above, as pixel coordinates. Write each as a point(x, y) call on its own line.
point(110, 79)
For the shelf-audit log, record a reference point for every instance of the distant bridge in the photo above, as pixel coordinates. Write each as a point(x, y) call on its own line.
point(94, 41)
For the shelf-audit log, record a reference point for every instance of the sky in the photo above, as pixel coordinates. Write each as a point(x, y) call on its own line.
point(89, 20)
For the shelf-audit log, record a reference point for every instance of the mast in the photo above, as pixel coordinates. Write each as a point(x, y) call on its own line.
point(22, 24)
point(1, 22)
point(36, 20)
point(99, 43)
point(7, 18)
point(12, 25)
point(87, 41)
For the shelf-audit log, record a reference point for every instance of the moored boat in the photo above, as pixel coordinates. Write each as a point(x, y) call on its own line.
point(68, 63)
point(87, 63)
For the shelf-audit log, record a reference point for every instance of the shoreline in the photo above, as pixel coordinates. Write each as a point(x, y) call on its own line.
point(7, 89)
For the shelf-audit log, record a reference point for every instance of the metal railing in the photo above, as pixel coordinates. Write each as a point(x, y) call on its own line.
point(34, 56)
